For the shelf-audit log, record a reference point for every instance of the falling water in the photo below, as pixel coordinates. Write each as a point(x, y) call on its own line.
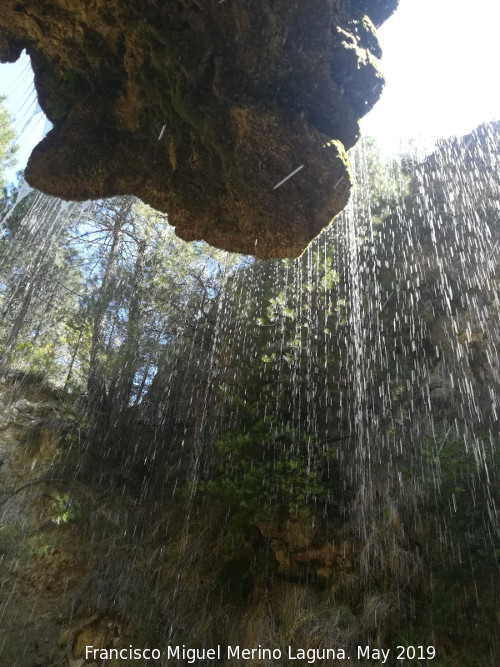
point(322, 447)
point(408, 336)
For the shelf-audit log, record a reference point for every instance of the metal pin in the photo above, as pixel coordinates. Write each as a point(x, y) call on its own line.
point(287, 177)
point(162, 132)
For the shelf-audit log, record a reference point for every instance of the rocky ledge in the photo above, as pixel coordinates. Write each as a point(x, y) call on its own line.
point(202, 107)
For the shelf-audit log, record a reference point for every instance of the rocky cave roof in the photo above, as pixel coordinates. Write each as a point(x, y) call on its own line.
point(202, 108)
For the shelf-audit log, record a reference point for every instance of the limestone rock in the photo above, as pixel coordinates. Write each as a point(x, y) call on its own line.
point(293, 545)
point(201, 108)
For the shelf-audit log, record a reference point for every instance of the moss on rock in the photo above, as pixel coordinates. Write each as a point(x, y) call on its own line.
point(241, 94)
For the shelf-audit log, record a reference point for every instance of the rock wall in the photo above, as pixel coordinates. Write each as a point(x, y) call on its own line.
point(201, 108)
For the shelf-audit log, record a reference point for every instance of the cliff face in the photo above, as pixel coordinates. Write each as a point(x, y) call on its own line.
point(202, 108)
point(291, 538)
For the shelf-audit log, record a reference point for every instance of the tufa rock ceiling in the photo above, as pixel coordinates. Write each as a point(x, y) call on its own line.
point(202, 108)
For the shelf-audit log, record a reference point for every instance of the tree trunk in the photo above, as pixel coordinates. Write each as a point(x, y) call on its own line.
point(132, 341)
point(21, 316)
point(140, 391)
point(96, 382)
point(73, 359)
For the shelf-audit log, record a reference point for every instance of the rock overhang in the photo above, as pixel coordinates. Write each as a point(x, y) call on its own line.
point(203, 108)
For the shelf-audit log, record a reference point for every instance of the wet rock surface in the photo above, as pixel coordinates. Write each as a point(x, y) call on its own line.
point(299, 549)
point(202, 108)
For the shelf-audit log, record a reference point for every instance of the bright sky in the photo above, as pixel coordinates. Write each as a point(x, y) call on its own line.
point(441, 62)
point(16, 83)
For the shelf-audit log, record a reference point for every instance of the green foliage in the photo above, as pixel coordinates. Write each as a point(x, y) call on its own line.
point(7, 147)
point(464, 557)
point(465, 498)
point(266, 478)
point(263, 467)
point(65, 509)
point(381, 185)
point(10, 540)
point(108, 287)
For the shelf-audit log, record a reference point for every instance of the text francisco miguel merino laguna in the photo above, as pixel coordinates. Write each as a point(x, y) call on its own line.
point(310, 655)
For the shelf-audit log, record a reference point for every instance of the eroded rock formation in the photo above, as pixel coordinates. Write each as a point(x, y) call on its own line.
point(201, 108)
